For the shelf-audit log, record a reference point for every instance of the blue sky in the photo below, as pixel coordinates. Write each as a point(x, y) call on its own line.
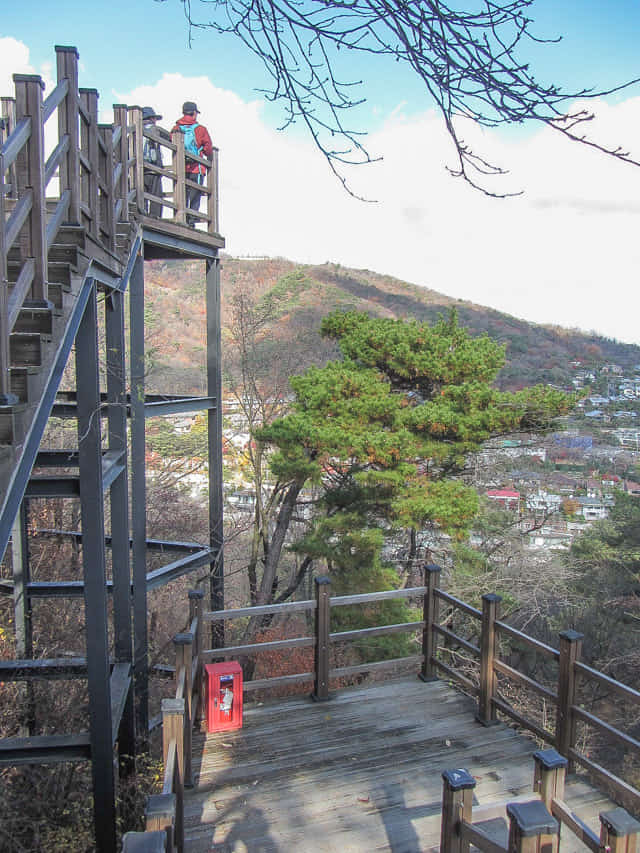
point(549, 256)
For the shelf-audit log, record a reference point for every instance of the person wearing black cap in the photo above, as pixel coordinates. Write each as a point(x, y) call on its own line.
point(152, 154)
point(196, 141)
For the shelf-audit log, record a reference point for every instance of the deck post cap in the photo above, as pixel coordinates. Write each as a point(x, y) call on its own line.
point(28, 78)
point(549, 759)
point(173, 706)
point(459, 780)
point(619, 822)
point(432, 567)
point(183, 639)
point(196, 593)
point(532, 818)
point(571, 635)
point(322, 581)
point(160, 805)
point(61, 48)
point(491, 596)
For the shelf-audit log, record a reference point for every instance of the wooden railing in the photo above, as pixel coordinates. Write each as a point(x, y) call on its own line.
point(99, 171)
point(484, 668)
point(533, 824)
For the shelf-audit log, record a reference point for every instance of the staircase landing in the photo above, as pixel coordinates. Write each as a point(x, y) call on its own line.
point(361, 772)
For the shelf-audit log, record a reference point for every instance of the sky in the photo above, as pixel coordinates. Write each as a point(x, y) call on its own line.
point(565, 252)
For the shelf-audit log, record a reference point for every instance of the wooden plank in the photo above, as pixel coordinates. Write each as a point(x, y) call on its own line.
point(256, 648)
point(457, 676)
point(563, 813)
point(44, 749)
point(54, 100)
point(457, 640)
point(380, 630)
point(266, 610)
point(543, 734)
point(505, 669)
point(458, 604)
point(474, 835)
point(375, 666)
point(606, 681)
point(16, 141)
point(373, 597)
point(513, 634)
point(612, 731)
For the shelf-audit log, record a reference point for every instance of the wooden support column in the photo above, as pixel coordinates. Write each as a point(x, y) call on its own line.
point(322, 630)
point(178, 168)
point(135, 117)
point(173, 729)
point(67, 68)
point(214, 445)
point(30, 169)
point(213, 226)
point(107, 206)
point(486, 710)
point(183, 645)
point(8, 116)
point(431, 618)
point(196, 609)
point(6, 398)
point(89, 100)
point(531, 828)
point(160, 816)
point(549, 775)
point(120, 119)
point(457, 803)
point(619, 832)
point(570, 650)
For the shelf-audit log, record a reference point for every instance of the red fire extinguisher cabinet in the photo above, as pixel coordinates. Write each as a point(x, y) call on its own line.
point(223, 694)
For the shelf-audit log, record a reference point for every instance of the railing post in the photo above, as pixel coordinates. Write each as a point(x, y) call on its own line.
point(30, 169)
point(531, 828)
point(431, 618)
point(196, 609)
point(8, 116)
point(570, 649)
point(183, 644)
point(619, 832)
point(173, 729)
point(160, 816)
point(138, 148)
point(548, 777)
point(178, 168)
point(89, 99)
point(107, 213)
point(486, 710)
point(120, 119)
point(67, 66)
point(457, 804)
point(213, 226)
point(321, 651)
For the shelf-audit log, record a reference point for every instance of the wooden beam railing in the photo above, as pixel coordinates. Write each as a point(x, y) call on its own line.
point(534, 825)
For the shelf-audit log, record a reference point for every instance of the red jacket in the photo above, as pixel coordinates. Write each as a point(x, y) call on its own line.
point(203, 141)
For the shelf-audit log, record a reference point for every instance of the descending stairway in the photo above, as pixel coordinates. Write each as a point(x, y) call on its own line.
point(39, 347)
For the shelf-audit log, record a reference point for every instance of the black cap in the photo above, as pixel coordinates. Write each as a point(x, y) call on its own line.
point(149, 112)
point(189, 107)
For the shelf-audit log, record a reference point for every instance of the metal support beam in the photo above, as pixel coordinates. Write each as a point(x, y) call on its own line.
point(22, 609)
point(119, 502)
point(138, 498)
point(214, 424)
point(95, 579)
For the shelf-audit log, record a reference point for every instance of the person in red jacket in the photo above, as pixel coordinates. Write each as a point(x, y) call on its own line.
point(196, 141)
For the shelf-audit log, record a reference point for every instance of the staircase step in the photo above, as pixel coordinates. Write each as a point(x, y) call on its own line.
point(71, 235)
point(23, 380)
point(35, 320)
point(25, 349)
point(59, 273)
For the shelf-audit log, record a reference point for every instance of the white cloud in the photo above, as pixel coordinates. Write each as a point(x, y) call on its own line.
point(565, 252)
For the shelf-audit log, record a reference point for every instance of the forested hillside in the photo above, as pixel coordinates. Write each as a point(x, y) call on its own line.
point(305, 294)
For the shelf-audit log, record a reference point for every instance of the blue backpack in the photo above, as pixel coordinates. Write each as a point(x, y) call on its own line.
point(190, 144)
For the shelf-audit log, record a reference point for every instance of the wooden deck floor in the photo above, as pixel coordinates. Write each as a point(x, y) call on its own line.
point(358, 773)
